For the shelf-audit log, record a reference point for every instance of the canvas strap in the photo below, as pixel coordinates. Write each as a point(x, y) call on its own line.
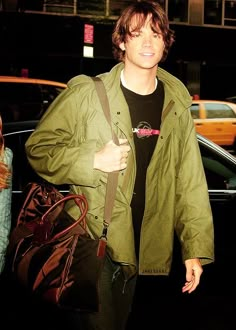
point(112, 180)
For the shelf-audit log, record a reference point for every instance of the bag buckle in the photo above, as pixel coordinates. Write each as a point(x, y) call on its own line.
point(102, 241)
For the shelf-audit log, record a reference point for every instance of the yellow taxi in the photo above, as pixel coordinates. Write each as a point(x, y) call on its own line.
point(216, 120)
point(23, 98)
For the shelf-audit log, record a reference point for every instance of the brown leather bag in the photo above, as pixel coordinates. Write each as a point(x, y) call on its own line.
point(37, 199)
point(56, 259)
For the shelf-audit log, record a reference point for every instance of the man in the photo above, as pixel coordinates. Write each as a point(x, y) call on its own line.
point(161, 178)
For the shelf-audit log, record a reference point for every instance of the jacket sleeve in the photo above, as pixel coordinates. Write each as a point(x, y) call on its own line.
point(193, 210)
point(62, 147)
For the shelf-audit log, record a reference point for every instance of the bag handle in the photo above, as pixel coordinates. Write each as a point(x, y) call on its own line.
point(112, 180)
point(43, 229)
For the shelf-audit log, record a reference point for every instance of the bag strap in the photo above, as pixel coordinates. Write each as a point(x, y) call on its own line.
point(112, 180)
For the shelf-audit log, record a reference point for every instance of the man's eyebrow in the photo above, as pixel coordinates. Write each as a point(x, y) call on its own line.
point(135, 29)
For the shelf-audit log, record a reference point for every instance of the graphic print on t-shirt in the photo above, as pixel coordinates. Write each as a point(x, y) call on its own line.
point(144, 130)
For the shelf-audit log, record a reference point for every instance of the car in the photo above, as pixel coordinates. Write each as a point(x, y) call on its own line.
point(23, 98)
point(216, 120)
point(220, 171)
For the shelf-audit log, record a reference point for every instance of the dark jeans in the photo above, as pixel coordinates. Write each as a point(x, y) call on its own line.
point(116, 301)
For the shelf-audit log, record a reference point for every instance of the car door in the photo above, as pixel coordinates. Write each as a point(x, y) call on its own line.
point(216, 121)
point(199, 115)
point(220, 170)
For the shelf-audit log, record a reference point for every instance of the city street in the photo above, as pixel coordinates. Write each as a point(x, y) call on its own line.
point(155, 307)
point(58, 40)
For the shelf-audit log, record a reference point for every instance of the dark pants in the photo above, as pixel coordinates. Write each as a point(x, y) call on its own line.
point(116, 301)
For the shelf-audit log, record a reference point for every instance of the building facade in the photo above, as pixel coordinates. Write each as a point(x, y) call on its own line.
point(75, 37)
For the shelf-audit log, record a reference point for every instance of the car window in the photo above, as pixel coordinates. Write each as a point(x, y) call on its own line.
point(49, 93)
point(220, 173)
point(195, 111)
point(219, 110)
point(19, 102)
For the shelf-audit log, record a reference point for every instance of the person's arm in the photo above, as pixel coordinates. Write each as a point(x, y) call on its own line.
point(67, 147)
point(194, 222)
point(61, 149)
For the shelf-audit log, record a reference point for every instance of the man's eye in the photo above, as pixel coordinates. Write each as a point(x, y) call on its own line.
point(157, 35)
point(135, 34)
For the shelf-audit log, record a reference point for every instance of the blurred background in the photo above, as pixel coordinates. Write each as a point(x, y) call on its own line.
point(59, 39)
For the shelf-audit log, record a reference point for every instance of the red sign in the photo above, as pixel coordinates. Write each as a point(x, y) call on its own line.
point(88, 33)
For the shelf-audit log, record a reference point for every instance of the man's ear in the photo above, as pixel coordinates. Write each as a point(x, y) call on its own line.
point(122, 46)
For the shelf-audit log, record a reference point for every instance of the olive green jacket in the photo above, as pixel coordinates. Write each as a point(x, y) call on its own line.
point(62, 149)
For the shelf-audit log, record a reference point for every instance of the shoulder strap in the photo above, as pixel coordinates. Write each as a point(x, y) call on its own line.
point(112, 180)
point(105, 104)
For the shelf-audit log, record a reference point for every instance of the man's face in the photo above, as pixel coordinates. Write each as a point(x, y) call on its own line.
point(144, 48)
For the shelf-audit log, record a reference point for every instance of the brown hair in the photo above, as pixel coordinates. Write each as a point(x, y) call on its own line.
point(141, 9)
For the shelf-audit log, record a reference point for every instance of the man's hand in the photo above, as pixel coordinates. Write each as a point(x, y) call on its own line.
point(112, 157)
point(193, 273)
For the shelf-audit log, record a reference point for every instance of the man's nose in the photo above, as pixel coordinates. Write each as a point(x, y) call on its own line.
point(147, 40)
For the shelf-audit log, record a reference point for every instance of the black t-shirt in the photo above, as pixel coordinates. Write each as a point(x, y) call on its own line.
point(145, 112)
